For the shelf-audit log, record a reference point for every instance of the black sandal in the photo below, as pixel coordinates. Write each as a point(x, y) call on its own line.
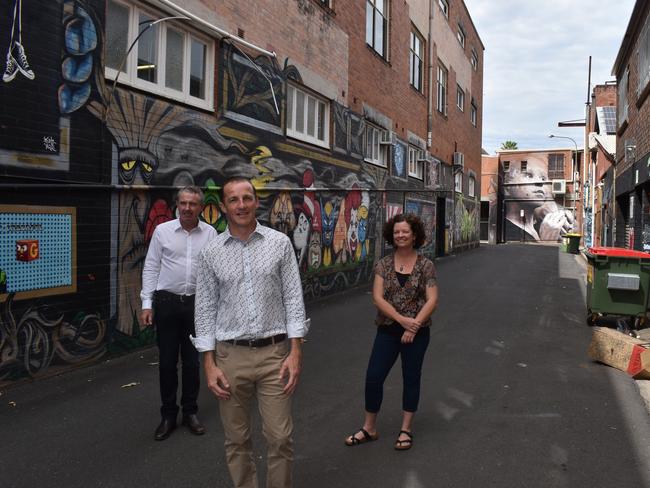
point(406, 444)
point(354, 441)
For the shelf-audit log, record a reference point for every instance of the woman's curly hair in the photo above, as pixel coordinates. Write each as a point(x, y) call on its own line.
point(414, 222)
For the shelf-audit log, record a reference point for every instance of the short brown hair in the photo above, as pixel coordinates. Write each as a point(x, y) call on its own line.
point(237, 179)
point(414, 222)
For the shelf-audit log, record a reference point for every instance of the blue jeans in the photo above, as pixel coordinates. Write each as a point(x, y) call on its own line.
point(385, 350)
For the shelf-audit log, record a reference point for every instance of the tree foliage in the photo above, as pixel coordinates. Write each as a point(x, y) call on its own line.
point(509, 145)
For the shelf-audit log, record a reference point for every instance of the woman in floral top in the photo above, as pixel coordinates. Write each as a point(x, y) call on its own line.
point(405, 292)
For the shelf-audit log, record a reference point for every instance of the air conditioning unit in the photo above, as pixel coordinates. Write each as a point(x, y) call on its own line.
point(386, 137)
point(459, 159)
point(559, 187)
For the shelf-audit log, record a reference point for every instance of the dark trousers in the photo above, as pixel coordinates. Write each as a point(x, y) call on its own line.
point(174, 319)
point(386, 348)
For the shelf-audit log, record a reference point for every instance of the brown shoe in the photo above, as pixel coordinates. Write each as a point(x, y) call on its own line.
point(193, 423)
point(405, 444)
point(353, 440)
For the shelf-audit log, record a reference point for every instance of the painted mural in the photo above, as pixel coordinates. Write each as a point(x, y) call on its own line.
point(529, 192)
point(135, 150)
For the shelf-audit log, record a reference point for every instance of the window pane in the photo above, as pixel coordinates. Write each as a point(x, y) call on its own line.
point(197, 69)
point(174, 60)
point(300, 111)
point(369, 16)
point(379, 33)
point(321, 121)
point(311, 116)
point(148, 50)
point(379, 4)
point(290, 95)
point(117, 35)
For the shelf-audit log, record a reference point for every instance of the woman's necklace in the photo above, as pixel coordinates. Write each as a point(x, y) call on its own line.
point(401, 266)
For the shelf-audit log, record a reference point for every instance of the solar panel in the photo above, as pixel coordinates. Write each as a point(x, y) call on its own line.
point(606, 119)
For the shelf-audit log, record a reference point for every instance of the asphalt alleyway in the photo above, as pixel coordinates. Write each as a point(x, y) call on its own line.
point(509, 399)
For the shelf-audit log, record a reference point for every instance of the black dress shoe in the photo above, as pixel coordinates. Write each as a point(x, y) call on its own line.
point(165, 429)
point(194, 424)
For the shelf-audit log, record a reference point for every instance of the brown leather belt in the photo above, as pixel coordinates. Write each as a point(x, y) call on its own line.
point(267, 341)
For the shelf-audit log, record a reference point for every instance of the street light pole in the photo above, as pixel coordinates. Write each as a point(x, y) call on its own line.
point(573, 171)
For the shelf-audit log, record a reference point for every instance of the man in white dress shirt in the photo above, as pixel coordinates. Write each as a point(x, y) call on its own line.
point(250, 321)
point(169, 284)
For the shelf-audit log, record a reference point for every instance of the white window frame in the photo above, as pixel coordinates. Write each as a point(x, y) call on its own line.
point(375, 15)
point(444, 6)
point(320, 105)
point(474, 59)
point(416, 163)
point(471, 186)
point(416, 63)
point(374, 151)
point(460, 35)
point(473, 114)
point(441, 84)
point(130, 77)
point(458, 182)
point(460, 98)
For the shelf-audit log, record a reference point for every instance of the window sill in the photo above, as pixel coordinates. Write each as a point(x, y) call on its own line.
point(375, 163)
point(152, 89)
point(377, 55)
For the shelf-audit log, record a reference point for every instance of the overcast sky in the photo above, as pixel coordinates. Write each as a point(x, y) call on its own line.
point(536, 64)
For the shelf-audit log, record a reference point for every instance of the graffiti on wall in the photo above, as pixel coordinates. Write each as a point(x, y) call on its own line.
point(466, 217)
point(324, 201)
point(427, 213)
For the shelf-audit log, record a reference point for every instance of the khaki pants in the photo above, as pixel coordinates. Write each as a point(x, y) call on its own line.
point(255, 372)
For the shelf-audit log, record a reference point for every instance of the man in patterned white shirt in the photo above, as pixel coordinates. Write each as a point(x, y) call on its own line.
point(250, 323)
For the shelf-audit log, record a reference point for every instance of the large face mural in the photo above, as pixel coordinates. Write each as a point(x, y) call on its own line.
point(528, 191)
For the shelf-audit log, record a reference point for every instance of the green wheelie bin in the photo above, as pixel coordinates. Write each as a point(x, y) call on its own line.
point(618, 283)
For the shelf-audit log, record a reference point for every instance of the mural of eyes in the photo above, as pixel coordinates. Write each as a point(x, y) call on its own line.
point(211, 213)
point(132, 159)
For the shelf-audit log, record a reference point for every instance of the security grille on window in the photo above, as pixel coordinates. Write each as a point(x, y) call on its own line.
point(441, 101)
point(471, 190)
point(444, 6)
point(376, 147)
point(473, 115)
point(474, 59)
point(460, 98)
point(377, 26)
point(506, 166)
point(168, 59)
point(307, 117)
point(415, 59)
point(416, 163)
point(524, 166)
point(556, 166)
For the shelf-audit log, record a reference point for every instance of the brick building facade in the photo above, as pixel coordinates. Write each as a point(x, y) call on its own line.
point(330, 106)
point(631, 172)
